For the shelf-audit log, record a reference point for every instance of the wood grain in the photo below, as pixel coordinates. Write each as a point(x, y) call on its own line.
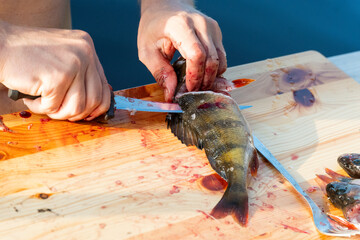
point(132, 179)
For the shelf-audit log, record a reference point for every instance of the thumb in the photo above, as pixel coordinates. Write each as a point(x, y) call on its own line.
point(161, 70)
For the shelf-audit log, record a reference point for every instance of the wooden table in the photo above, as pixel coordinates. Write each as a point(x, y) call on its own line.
point(132, 179)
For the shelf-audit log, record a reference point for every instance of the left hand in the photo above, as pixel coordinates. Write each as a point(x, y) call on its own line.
point(170, 25)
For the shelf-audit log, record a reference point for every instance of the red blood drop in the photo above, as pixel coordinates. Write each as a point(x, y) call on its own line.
point(25, 114)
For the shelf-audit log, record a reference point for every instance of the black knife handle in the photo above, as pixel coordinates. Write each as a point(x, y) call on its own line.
point(16, 95)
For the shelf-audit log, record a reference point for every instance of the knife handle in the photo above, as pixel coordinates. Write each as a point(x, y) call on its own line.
point(16, 95)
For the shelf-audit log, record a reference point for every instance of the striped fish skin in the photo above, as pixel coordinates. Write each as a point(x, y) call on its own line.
point(213, 121)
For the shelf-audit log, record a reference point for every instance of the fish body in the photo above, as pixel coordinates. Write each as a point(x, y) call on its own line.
point(344, 193)
point(213, 121)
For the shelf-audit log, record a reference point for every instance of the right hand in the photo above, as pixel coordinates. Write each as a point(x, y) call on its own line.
point(61, 66)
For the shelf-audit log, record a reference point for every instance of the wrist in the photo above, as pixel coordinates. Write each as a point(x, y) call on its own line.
point(146, 4)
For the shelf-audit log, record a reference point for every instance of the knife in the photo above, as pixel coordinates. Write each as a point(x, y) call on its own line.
point(125, 103)
point(267, 154)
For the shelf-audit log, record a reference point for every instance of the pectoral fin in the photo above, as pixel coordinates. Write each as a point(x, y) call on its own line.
point(183, 131)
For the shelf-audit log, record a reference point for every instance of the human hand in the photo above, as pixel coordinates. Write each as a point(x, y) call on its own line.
point(166, 26)
point(61, 66)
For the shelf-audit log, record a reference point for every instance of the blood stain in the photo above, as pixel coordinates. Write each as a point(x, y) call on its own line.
point(70, 175)
point(294, 157)
point(271, 195)
point(141, 177)
point(294, 229)
point(102, 225)
point(242, 82)
point(195, 177)
point(38, 148)
point(304, 97)
point(311, 189)
point(214, 182)
point(204, 213)
point(25, 114)
point(44, 120)
point(175, 189)
point(118, 182)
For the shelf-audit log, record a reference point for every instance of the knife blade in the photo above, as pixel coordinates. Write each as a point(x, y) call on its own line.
point(124, 103)
point(267, 154)
point(133, 104)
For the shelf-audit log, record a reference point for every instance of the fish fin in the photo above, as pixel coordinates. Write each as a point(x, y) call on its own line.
point(235, 203)
point(336, 175)
point(339, 221)
point(322, 184)
point(325, 179)
point(182, 130)
point(254, 164)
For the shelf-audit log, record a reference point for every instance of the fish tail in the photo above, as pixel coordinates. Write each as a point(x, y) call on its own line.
point(234, 202)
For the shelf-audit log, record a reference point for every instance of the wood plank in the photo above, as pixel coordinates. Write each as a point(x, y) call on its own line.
point(132, 179)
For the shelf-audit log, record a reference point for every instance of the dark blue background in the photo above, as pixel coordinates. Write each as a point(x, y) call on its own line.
point(252, 30)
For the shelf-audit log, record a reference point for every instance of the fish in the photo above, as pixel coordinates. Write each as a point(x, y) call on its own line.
point(344, 193)
point(350, 162)
point(211, 120)
point(345, 196)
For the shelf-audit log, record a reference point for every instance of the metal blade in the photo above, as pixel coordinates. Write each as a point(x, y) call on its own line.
point(133, 104)
point(267, 154)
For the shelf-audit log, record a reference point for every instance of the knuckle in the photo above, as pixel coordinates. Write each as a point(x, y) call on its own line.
point(198, 53)
point(86, 48)
point(213, 61)
point(182, 18)
point(213, 22)
point(78, 110)
point(83, 35)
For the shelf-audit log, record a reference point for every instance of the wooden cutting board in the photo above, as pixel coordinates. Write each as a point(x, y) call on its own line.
point(132, 179)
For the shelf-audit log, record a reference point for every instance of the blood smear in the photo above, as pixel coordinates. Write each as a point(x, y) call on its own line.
point(242, 82)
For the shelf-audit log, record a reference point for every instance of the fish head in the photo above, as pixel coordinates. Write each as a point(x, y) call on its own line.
point(343, 194)
point(350, 162)
point(180, 69)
